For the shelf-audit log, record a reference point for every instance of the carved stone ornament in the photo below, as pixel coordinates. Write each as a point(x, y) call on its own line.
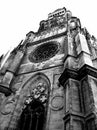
point(44, 52)
point(57, 102)
point(38, 93)
point(7, 108)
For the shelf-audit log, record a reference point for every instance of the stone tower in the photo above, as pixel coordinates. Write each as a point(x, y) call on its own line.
point(49, 81)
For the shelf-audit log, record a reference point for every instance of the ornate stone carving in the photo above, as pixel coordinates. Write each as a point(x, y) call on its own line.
point(57, 102)
point(7, 108)
point(38, 93)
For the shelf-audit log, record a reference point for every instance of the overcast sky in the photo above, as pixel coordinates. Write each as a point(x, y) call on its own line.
point(18, 17)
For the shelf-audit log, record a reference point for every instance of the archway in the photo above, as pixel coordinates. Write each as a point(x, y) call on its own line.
point(32, 117)
point(35, 103)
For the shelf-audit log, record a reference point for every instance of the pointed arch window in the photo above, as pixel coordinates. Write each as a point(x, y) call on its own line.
point(34, 112)
point(32, 117)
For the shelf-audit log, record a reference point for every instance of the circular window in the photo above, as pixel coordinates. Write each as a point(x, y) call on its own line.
point(44, 52)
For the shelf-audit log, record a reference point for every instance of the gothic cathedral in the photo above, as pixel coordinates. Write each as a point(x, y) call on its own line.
point(49, 81)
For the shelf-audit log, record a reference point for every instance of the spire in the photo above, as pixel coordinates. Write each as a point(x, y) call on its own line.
point(4, 58)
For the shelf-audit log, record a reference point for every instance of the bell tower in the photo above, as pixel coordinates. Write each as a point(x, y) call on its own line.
point(49, 81)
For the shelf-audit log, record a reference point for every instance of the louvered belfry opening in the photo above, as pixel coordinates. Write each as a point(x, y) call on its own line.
point(32, 117)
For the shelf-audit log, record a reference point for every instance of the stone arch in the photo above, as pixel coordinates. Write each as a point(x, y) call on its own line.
point(35, 77)
point(33, 81)
point(39, 74)
point(27, 90)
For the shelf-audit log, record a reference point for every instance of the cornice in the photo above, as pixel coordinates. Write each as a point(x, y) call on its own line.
point(77, 74)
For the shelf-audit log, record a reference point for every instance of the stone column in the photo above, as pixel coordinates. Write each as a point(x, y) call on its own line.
point(77, 64)
point(70, 61)
point(82, 49)
point(11, 70)
point(86, 75)
point(74, 111)
point(88, 79)
point(80, 98)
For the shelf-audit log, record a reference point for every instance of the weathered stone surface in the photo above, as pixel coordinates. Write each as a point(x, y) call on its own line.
point(54, 85)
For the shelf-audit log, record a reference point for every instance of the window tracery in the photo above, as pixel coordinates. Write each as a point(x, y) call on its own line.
point(32, 116)
point(44, 52)
point(38, 93)
point(33, 113)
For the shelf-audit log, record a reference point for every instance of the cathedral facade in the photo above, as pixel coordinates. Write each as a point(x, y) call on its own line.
point(49, 81)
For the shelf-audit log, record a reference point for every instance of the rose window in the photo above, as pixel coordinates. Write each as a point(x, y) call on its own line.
point(44, 52)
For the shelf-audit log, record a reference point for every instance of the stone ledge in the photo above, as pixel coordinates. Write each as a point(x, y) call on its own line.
point(5, 90)
point(87, 70)
point(77, 74)
point(46, 39)
point(79, 117)
point(67, 74)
